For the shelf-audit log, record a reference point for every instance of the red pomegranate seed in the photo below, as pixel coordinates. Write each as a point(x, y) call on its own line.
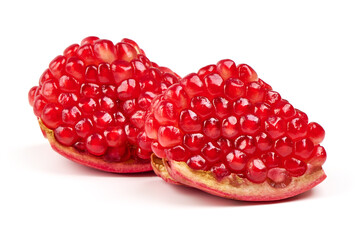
point(227, 69)
point(271, 159)
point(128, 89)
point(189, 121)
point(250, 124)
point(203, 72)
point(284, 146)
point(65, 135)
point(212, 128)
point(51, 115)
point(295, 167)
point(319, 156)
point(220, 171)
point(104, 50)
point(264, 142)
point(125, 52)
point(214, 84)
point(246, 73)
point(31, 95)
point(177, 152)
point(197, 162)
point(158, 150)
point(230, 127)
point(57, 66)
point(115, 136)
point(284, 110)
point(256, 171)
point(242, 106)
point(202, 106)
point(316, 132)
point(71, 50)
point(84, 127)
point(246, 144)
point(169, 136)
point(272, 98)
point(75, 67)
point(297, 128)
point(96, 144)
point(211, 152)
point(255, 93)
point(70, 115)
point(222, 107)
point(194, 142)
point(236, 160)
point(275, 127)
point(279, 177)
point(165, 112)
point(234, 89)
point(304, 148)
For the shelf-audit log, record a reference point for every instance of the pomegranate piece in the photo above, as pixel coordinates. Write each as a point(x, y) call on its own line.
point(238, 138)
point(92, 101)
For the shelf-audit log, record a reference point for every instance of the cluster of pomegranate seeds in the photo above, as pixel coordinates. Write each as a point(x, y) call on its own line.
point(224, 119)
point(95, 97)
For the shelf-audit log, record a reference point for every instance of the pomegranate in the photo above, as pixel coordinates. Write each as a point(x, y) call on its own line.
point(226, 132)
point(91, 103)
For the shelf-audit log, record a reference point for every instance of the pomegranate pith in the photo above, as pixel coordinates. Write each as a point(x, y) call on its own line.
point(94, 99)
point(233, 124)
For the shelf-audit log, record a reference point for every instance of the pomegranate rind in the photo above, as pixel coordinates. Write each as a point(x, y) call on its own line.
point(237, 188)
point(160, 170)
point(83, 158)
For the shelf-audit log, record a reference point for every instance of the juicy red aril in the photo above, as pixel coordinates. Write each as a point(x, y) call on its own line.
point(250, 124)
point(234, 89)
point(203, 72)
point(246, 144)
point(284, 110)
point(194, 142)
point(304, 148)
point(51, 115)
point(211, 152)
point(242, 106)
point(278, 177)
point(316, 132)
point(264, 142)
point(236, 160)
point(84, 127)
point(220, 171)
point(115, 136)
point(75, 67)
point(227, 69)
point(246, 73)
point(189, 121)
point(169, 136)
point(192, 84)
point(284, 146)
point(295, 167)
point(65, 135)
point(230, 127)
point(222, 107)
point(178, 152)
point(197, 162)
point(31, 95)
point(271, 159)
point(96, 144)
point(255, 93)
point(212, 128)
point(165, 112)
point(256, 171)
point(275, 127)
point(296, 128)
point(202, 106)
point(214, 84)
point(319, 156)
point(128, 89)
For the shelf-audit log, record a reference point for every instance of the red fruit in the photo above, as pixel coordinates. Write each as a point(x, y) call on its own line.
point(235, 137)
point(91, 103)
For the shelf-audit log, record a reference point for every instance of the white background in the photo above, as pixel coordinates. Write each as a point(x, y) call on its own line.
point(308, 51)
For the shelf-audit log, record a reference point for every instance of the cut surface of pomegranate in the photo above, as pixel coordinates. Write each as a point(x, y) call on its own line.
point(92, 101)
point(225, 131)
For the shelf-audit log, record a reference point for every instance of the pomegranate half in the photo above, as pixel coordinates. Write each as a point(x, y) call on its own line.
point(225, 131)
point(91, 103)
